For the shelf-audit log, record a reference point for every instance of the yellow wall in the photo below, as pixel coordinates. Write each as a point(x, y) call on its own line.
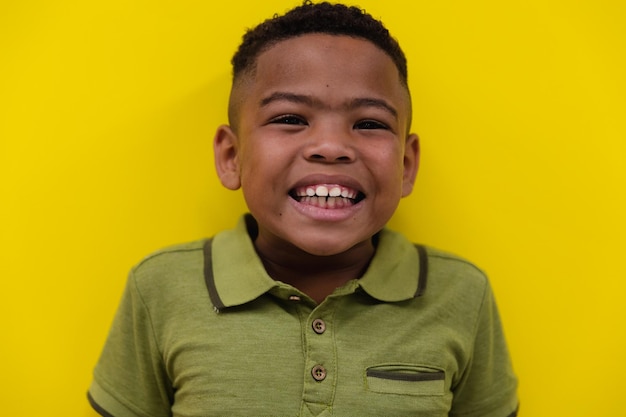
point(107, 111)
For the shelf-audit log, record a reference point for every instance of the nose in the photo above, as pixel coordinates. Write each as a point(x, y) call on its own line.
point(331, 146)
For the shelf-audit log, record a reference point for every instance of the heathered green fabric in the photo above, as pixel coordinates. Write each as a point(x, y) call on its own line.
point(385, 352)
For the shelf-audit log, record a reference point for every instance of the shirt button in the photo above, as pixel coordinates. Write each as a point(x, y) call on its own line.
point(319, 326)
point(319, 373)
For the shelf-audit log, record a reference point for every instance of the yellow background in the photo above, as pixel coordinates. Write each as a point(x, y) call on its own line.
point(107, 111)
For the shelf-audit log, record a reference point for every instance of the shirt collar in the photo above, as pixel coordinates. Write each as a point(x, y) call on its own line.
point(235, 274)
point(238, 275)
point(397, 271)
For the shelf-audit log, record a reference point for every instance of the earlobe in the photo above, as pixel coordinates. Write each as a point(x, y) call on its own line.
point(225, 149)
point(411, 163)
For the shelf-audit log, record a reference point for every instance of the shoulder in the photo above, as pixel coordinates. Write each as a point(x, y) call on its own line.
point(171, 254)
point(169, 267)
point(454, 278)
point(449, 263)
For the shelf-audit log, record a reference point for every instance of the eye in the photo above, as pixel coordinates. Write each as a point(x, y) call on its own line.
point(289, 119)
point(370, 124)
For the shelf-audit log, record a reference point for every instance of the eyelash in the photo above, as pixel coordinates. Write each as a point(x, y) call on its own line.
point(371, 124)
point(291, 119)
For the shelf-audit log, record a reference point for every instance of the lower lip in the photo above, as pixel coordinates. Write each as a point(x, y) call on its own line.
point(326, 214)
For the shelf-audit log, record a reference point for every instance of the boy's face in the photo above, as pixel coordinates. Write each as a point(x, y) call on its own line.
point(320, 145)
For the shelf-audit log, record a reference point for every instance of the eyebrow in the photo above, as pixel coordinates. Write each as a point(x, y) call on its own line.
point(311, 101)
point(373, 102)
point(282, 96)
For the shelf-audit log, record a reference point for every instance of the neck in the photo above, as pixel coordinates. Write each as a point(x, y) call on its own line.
point(316, 276)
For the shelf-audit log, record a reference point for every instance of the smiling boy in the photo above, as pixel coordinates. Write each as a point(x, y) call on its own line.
point(316, 120)
point(310, 306)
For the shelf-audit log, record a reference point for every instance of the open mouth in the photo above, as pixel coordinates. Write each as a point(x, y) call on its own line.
point(327, 196)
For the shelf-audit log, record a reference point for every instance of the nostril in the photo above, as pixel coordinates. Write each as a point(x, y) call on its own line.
point(318, 157)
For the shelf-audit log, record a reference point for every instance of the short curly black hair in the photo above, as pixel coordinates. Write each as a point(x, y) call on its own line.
point(334, 19)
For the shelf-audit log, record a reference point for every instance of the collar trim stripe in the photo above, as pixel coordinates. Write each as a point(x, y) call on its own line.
point(209, 278)
point(423, 271)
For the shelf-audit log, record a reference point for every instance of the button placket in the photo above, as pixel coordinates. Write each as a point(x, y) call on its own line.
point(321, 360)
point(318, 371)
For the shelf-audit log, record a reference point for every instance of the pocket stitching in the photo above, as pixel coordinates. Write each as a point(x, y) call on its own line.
point(401, 376)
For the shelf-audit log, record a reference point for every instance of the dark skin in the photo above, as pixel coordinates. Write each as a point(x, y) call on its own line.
point(317, 276)
point(316, 114)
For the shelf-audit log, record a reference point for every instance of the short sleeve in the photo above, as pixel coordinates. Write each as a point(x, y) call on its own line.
point(488, 387)
point(130, 378)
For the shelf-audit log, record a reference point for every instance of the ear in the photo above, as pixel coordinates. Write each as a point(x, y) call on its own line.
point(226, 153)
point(411, 163)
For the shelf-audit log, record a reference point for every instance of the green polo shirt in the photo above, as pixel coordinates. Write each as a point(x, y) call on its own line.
point(202, 330)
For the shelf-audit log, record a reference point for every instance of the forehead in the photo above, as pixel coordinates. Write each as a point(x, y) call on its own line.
point(333, 67)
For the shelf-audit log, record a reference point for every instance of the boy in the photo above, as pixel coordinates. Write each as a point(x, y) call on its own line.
point(310, 307)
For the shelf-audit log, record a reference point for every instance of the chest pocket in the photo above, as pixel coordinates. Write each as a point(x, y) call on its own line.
point(405, 380)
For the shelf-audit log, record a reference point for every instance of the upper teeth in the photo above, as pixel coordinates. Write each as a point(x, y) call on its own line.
point(327, 191)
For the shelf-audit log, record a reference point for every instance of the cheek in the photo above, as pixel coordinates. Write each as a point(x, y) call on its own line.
point(388, 162)
point(394, 177)
point(260, 169)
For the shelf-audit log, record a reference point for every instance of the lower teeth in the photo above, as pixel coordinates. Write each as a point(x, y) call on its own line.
point(327, 202)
